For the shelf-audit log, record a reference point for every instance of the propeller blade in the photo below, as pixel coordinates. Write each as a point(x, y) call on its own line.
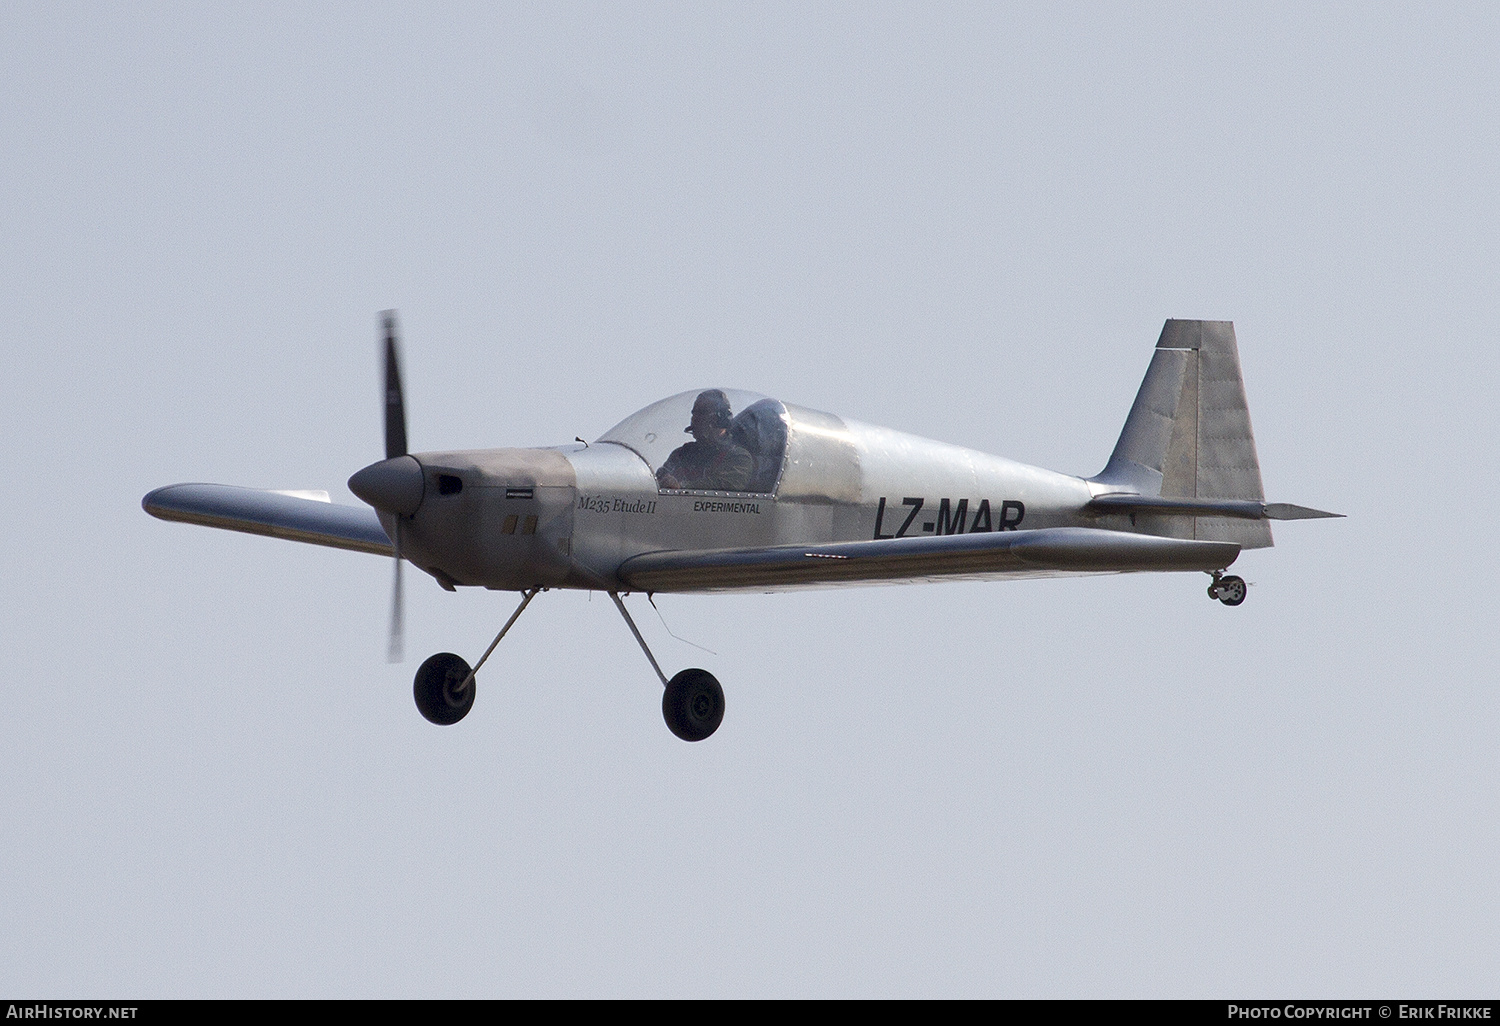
point(397, 650)
point(395, 445)
point(395, 404)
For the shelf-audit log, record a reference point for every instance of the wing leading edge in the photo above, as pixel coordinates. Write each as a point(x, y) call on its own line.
point(278, 514)
point(1047, 552)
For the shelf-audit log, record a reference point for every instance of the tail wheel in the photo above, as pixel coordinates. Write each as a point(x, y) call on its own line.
point(1229, 590)
point(439, 690)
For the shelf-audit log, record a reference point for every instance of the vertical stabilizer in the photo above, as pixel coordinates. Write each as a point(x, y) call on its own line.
point(1188, 435)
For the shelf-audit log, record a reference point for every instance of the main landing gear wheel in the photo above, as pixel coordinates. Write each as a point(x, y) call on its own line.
point(1228, 590)
point(693, 705)
point(436, 689)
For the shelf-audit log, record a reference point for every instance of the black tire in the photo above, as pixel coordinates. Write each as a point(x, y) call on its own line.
point(1232, 590)
point(693, 705)
point(436, 689)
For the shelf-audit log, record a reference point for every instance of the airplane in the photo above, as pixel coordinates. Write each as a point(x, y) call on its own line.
point(768, 496)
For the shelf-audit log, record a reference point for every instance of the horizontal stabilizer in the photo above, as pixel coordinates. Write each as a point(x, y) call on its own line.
point(1240, 509)
point(297, 516)
point(1048, 552)
point(1287, 511)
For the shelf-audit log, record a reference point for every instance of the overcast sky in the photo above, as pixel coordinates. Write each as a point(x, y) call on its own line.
point(964, 221)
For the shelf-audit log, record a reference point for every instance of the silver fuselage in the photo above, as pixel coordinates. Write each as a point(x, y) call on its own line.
point(569, 516)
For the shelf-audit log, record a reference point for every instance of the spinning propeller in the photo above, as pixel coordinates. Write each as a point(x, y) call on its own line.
point(394, 485)
point(395, 445)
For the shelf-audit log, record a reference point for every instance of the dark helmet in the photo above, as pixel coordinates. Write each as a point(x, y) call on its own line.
point(713, 402)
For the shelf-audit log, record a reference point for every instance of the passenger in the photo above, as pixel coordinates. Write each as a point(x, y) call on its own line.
point(712, 461)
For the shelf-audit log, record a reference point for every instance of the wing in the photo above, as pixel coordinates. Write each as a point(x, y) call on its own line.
point(1047, 552)
point(293, 515)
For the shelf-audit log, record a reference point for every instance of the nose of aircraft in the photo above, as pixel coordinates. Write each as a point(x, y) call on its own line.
point(392, 486)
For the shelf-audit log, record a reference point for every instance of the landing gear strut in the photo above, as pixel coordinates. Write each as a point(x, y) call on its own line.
point(444, 686)
point(1229, 590)
point(693, 702)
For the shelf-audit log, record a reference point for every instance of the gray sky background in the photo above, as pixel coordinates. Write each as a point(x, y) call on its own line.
point(965, 221)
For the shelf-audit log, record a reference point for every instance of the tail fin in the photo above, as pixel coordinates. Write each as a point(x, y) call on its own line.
point(1188, 435)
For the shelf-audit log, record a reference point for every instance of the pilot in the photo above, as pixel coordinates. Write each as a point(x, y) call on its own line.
point(712, 461)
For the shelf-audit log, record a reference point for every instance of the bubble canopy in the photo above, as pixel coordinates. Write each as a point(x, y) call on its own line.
point(739, 446)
